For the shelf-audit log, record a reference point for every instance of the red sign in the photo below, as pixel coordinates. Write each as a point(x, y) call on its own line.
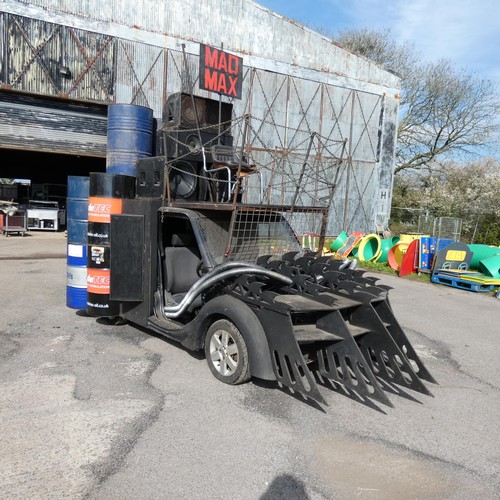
point(220, 71)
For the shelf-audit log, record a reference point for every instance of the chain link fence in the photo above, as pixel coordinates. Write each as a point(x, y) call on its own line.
point(481, 228)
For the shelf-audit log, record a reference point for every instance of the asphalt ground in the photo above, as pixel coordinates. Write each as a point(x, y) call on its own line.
point(91, 410)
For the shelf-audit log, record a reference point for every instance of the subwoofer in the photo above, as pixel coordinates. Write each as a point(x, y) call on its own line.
point(189, 112)
point(184, 179)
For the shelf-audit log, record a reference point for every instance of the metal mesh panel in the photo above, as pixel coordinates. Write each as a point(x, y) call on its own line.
point(265, 231)
point(426, 224)
point(447, 228)
point(215, 231)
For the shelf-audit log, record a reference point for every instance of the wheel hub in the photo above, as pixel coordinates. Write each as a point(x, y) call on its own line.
point(222, 352)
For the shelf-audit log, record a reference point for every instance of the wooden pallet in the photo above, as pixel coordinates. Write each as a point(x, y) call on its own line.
point(463, 284)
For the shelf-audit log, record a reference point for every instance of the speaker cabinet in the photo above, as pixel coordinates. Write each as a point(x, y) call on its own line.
point(185, 178)
point(183, 111)
point(149, 181)
point(186, 145)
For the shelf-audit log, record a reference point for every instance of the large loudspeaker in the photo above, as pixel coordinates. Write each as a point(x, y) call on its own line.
point(182, 110)
point(186, 179)
point(186, 145)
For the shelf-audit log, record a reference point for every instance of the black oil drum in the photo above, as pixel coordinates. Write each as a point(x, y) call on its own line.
point(106, 194)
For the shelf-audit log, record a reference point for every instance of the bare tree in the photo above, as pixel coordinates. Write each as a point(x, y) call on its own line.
point(379, 47)
point(444, 112)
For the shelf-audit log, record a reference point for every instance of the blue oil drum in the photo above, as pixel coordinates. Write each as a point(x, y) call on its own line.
point(130, 137)
point(76, 272)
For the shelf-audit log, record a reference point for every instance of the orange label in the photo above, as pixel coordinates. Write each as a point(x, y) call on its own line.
point(100, 209)
point(98, 281)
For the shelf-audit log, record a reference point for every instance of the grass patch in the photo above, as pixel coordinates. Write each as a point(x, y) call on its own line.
point(379, 267)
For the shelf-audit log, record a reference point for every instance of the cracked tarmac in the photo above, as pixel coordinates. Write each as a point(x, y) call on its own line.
point(90, 410)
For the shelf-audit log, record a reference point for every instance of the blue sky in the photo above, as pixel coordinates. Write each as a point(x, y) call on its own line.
point(466, 32)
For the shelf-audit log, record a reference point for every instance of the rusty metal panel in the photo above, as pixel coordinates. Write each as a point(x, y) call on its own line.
point(268, 108)
point(89, 58)
point(139, 75)
point(26, 67)
point(365, 121)
point(36, 124)
point(336, 112)
point(50, 59)
point(304, 112)
point(175, 64)
point(277, 40)
point(297, 82)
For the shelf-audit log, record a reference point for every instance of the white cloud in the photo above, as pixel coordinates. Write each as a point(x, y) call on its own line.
point(466, 32)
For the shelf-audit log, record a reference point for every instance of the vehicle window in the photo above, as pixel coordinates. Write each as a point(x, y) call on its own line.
point(215, 232)
point(255, 235)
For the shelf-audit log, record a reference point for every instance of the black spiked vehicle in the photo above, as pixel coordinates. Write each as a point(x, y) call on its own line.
point(233, 280)
point(195, 249)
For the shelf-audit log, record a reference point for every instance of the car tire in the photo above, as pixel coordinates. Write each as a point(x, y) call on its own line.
point(226, 353)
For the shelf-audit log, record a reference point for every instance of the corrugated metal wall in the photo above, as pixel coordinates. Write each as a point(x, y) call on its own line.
point(294, 87)
point(243, 25)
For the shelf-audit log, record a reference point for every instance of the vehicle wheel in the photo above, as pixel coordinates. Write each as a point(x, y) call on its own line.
point(226, 353)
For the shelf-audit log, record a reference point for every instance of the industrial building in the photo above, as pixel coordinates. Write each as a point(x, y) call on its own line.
point(63, 62)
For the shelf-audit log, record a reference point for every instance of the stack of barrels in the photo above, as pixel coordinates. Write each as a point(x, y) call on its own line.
point(93, 200)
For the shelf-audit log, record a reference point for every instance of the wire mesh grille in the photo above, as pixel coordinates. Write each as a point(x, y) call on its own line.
point(264, 231)
point(426, 224)
point(304, 176)
point(447, 228)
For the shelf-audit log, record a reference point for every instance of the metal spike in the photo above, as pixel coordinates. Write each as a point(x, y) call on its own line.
point(290, 367)
point(385, 313)
point(381, 352)
point(289, 256)
point(344, 363)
